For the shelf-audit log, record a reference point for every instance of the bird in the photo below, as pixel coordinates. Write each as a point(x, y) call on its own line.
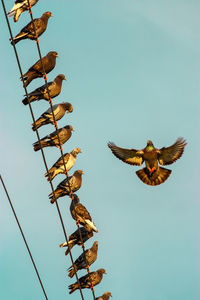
point(33, 29)
point(81, 215)
point(19, 7)
point(152, 174)
point(58, 167)
point(77, 238)
point(88, 281)
point(59, 111)
point(36, 71)
point(105, 296)
point(52, 138)
point(54, 88)
point(85, 260)
point(69, 185)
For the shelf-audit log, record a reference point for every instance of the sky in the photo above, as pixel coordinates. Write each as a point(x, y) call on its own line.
point(132, 70)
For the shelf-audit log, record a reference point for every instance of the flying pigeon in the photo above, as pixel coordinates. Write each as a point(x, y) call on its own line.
point(88, 281)
point(76, 239)
point(152, 174)
point(19, 7)
point(42, 92)
point(28, 32)
point(69, 185)
point(59, 111)
point(36, 71)
point(81, 215)
point(85, 260)
point(52, 138)
point(105, 296)
point(58, 167)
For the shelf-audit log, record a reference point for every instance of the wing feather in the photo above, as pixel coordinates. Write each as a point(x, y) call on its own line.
point(169, 155)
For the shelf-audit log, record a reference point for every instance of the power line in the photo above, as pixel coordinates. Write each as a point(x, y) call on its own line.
point(23, 236)
point(39, 140)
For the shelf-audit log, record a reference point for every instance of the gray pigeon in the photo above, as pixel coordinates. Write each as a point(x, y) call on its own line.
point(58, 167)
point(52, 138)
point(36, 71)
point(68, 185)
point(105, 296)
point(88, 281)
point(28, 32)
point(81, 215)
point(59, 111)
point(75, 238)
point(85, 260)
point(42, 93)
point(19, 7)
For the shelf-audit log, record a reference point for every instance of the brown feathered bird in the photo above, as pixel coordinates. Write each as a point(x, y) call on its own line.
point(85, 260)
point(152, 174)
point(54, 88)
point(88, 281)
point(52, 139)
point(36, 71)
point(81, 215)
point(59, 111)
point(28, 32)
point(68, 185)
point(76, 239)
point(58, 167)
point(105, 296)
point(19, 7)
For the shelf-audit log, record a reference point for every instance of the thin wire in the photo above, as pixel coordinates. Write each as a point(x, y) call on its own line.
point(23, 236)
point(56, 127)
point(39, 140)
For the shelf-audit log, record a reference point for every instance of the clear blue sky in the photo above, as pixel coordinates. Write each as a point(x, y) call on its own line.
point(132, 71)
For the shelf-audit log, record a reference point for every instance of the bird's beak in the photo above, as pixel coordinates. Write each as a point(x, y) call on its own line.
point(51, 15)
point(57, 55)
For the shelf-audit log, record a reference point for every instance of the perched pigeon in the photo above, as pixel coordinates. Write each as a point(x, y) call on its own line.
point(42, 92)
point(36, 71)
point(152, 174)
point(68, 185)
point(47, 117)
point(19, 7)
point(76, 239)
point(52, 138)
point(58, 167)
point(81, 215)
point(28, 32)
point(85, 260)
point(88, 281)
point(105, 296)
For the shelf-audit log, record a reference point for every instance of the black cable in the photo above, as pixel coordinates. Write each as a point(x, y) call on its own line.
point(39, 140)
point(23, 236)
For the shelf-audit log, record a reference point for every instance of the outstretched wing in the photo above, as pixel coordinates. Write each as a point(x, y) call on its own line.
point(167, 156)
point(129, 156)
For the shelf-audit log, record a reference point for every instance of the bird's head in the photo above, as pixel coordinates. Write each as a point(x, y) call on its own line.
point(102, 271)
point(95, 245)
point(75, 199)
point(61, 77)
point(76, 150)
point(47, 14)
point(149, 146)
point(69, 127)
point(78, 172)
point(108, 294)
point(53, 53)
point(68, 106)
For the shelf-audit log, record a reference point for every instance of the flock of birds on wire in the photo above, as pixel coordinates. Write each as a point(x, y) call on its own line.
point(72, 183)
point(152, 174)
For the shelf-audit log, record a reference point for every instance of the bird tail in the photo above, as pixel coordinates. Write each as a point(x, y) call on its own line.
point(18, 38)
point(157, 177)
point(65, 243)
point(18, 14)
point(71, 245)
point(73, 287)
point(25, 101)
point(37, 146)
point(58, 193)
point(28, 77)
point(50, 176)
point(91, 225)
point(38, 124)
point(72, 271)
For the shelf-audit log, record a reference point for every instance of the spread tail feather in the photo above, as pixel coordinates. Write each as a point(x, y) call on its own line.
point(157, 177)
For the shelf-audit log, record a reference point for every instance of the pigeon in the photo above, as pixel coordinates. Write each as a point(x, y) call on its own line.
point(36, 71)
point(81, 215)
point(28, 32)
point(76, 239)
point(47, 117)
point(105, 296)
point(152, 174)
point(19, 7)
point(52, 138)
point(88, 281)
point(69, 185)
point(58, 167)
point(85, 260)
point(42, 92)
